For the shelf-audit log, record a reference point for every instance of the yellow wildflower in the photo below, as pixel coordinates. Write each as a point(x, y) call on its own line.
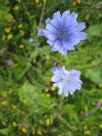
point(53, 88)
point(22, 33)
point(14, 124)
point(4, 103)
point(10, 19)
point(48, 122)
point(86, 108)
point(33, 131)
point(79, 1)
point(39, 132)
point(37, 1)
point(21, 46)
point(74, 3)
point(16, 7)
point(7, 30)
point(100, 125)
point(14, 107)
point(24, 101)
point(19, 1)
point(20, 26)
point(24, 130)
point(101, 108)
point(46, 90)
point(87, 132)
point(9, 36)
point(100, 85)
point(48, 95)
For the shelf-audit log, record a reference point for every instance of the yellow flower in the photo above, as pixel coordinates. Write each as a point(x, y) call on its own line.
point(87, 132)
point(14, 124)
point(100, 85)
point(4, 103)
point(48, 95)
point(85, 127)
point(39, 132)
point(33, 131)
point(46, 90)
point(101, 108)
point(10, 19)
point(53, 88)
point(48, 122)
point(100, 125)
point(79, 1)
point(20, 26)
point(37, 1)
point(86, 108)
point(9, 36)
point(22, 33)
point(74, 3)
point(16, 7)
point(14, 107)
point(19, 1)
point(24, 130)
point(21, 46)
point(24, 101)
point(87, 17)
point(7, 30)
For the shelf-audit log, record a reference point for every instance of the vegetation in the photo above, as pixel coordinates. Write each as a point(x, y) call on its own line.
point(29, 104)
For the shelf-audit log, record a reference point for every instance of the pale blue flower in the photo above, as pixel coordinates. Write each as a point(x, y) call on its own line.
point(63, 31)
point(66, 81)
point(30, 39)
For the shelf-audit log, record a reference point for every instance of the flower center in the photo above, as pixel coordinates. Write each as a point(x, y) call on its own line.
point(61, 34)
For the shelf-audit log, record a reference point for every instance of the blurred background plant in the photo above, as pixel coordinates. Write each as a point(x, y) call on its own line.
point(28, 102)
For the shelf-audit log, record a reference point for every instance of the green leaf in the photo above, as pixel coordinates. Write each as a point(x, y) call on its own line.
point(95, 30)
point(94, 76)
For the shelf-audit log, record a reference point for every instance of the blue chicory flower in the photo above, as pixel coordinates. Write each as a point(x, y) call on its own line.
point(63, 31)
point(66, 81)
point(30, 39)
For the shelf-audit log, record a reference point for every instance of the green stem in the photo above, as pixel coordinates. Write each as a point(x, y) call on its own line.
point(59, 104)
point(42, 13)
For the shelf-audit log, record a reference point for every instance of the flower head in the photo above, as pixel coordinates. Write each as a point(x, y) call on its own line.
point(63, 31)
point(30, 39)
point(66, 81)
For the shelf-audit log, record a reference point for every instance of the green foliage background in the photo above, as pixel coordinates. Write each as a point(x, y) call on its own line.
point(29, 105)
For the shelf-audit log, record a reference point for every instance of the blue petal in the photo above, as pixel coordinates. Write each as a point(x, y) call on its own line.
point(63, 51)
point(65, 14)
point(74, 15)
point(43, 32)
point(51, 42)
point(51, 28)
point(60, 91)
point(66, 91)
point(54, 49)
point(83, 35)
point(52, 37)
point(58, 45)
point(56, 78)
point(47, 21)
point(67, 21)
point(68, 46)
point(55, 23)
point(81, 26)
point(57, 14)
